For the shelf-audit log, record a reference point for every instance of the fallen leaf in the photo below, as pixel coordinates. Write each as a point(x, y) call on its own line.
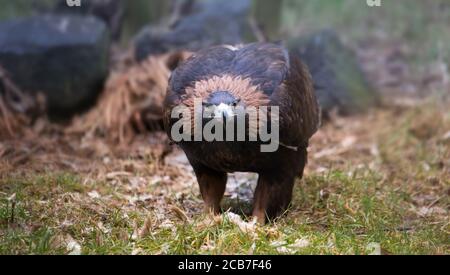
point(285, 250)
point(103, 228)
point(278, 243)
point(300, 243)
point(94, 194)
point(208, 246)
point(73, 246)
point(12, 198)
point(246, 227)
point(136, 251)
point(348, 141)
point(209, 221)
point(167, 225)
point(374, 248)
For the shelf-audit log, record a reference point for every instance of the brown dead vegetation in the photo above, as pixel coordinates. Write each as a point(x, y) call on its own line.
point(131, 101)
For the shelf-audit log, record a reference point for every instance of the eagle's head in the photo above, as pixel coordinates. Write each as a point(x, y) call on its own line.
point(222, 96)
point(222, 104)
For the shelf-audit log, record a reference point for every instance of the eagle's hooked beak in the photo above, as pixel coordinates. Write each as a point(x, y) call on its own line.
point(223, 105)
point(225, 111)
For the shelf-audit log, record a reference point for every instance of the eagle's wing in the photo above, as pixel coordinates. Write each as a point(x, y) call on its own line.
point(289, 85)
point(267, 65)
point(297, 99)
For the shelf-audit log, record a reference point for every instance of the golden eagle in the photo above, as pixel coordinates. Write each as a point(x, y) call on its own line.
point(257, 75)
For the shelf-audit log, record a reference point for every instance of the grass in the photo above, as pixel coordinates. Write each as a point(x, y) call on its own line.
point(397, 201)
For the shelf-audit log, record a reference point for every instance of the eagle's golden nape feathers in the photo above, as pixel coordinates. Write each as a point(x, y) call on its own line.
point(238, 87)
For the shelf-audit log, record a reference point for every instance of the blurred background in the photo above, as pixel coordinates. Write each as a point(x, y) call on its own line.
point(85, 167)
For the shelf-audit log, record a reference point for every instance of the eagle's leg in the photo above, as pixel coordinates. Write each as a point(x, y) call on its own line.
point(212, 187)
point(272, 197)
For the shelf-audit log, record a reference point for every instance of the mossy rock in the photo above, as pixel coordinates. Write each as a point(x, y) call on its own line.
point(64, 57)
point(206, 23)
point(338, 78)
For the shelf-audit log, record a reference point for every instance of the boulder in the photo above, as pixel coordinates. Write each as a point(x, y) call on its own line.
point(64, 57)
point(339, 81)
point(201, 24)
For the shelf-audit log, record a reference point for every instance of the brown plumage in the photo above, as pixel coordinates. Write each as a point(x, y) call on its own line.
point(256, 75)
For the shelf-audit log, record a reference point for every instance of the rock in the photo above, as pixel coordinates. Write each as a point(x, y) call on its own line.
point(64, 57)
point(111, 12)
point(203, 24)
point(338, 78)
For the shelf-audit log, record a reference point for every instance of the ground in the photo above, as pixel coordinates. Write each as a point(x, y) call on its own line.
point(375, 183)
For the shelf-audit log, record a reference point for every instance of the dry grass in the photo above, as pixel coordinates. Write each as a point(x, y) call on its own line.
point(131, 101)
